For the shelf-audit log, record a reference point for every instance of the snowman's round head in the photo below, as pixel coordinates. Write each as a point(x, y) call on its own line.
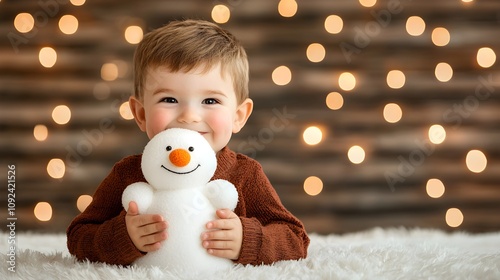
point(178, 158)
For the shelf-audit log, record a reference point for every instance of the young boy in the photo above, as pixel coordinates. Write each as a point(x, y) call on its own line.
point(191, 74)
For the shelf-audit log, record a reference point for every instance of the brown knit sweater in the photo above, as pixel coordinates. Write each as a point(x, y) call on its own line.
point(270, 232)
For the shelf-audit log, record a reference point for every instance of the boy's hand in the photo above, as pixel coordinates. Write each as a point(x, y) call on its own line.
point(224, 236)
point(145, 231)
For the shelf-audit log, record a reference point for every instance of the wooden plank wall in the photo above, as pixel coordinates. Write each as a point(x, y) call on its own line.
point(354, 197)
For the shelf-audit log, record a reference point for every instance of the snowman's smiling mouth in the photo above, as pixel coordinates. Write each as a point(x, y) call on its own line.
point(181, 173)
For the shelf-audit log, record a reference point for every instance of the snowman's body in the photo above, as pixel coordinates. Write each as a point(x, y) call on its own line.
point(184, 197)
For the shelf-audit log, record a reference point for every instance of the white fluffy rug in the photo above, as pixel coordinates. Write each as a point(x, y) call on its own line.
point(374, 254)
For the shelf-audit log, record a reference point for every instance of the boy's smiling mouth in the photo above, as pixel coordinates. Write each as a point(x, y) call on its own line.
point(181, 173)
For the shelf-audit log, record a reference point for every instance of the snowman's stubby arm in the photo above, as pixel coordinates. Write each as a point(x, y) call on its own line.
point(222, 194)
point(141, 193)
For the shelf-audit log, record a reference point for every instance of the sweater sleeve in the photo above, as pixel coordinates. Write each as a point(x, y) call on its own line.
point(99, 234)
point(270, 232)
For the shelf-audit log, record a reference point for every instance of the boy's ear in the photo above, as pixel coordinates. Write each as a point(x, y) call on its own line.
point(138, 111)
point(243, 112)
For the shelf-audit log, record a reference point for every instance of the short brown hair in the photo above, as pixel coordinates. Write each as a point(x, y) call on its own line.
point(187, 44)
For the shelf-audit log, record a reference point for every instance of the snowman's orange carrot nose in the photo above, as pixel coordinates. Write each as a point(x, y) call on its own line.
point(179, 157)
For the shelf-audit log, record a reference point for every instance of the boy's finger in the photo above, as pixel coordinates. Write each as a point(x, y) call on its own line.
point(152, 228)
point(133, 209)
point(225, 214)
point(144, 220)
point(220, 224)
point(218, 235)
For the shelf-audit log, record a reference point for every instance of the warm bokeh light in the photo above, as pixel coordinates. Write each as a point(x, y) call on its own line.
point(467, 1)
point(221, 13)
point(56, 168)
point(282, 75)
point(334, 100)
point(368, 3)
point(334, 24)
point(443, 72)
point(312, 135)
point(440, 36)
point(392, 113)
point(125, 111)
point(313, 185)
point(101, 90)
point(133, 34)
point(356, 154)
point(315, 52)
point(43, 211)
point(40, 132)
point(437, 134)
point(454, 217)
point(47, 57)
point(434, 188)
point(61, 114)
point(415, 26)
point(486, 57)
point(287, 8)
point(396, 79)
point(83, 202)
point(347, 81)
point(24, 22)
point(476, 161)
point(68, 24)
point(109, 72)
point(77, 2)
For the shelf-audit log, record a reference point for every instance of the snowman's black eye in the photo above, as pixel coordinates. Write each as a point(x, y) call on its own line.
point(191, 149)
point(169, 148)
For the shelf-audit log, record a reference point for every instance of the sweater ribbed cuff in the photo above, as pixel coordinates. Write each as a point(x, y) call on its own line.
point(252, 241)
point(123, 243)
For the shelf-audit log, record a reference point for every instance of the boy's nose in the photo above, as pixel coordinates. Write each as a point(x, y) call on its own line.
point(179, 157)
point(189, 114)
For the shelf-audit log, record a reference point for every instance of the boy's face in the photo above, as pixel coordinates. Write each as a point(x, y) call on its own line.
point(204, 102)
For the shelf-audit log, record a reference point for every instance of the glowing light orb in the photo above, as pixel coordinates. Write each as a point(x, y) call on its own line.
point(40, 132)
point(315, 52)
point(486, 57)
point(68, 24)
point(282, 75)
point(24, 22)
point(347, 81)
point(434, 188)
point(287, 8)
point(43, 211)
point(437, 134)
point(334, 100)
point(56, 168)
point(47, 57)
point(313, 185)
point(61, 114)
point(396, 79)
point(415, 26)
point(392, 113)
point(356, 154)
point(454, 217)
point(133, 34)
point(476, 161)
point(221, 13)
point(312, 135)
point(334, 24)
point(83, 202)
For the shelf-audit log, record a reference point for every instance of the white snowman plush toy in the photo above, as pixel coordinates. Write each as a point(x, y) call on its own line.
point(178, 164)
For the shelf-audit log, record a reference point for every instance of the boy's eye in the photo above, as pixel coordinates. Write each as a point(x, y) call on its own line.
point(169, 100)
point(210, 101)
